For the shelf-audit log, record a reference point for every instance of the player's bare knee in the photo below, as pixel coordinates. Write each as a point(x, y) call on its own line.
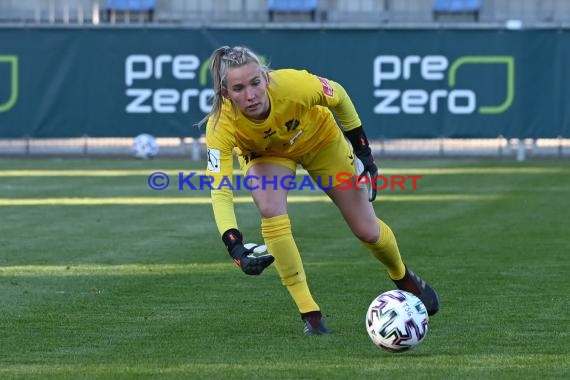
point(367, 234)
point(270, 210)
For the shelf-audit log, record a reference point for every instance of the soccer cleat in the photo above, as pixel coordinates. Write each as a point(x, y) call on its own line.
point(314, 323)
point(414, 284)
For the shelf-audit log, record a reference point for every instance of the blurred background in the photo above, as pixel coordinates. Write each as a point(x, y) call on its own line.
point(428, 77)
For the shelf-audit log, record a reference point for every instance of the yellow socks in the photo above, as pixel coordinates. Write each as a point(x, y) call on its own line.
point(279, 240)
point(386, 250)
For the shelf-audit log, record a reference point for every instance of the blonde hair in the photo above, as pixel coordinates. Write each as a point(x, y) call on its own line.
point(221, 60)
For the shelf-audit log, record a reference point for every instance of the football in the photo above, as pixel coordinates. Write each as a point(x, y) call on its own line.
point(145, 146)
point(397, 321)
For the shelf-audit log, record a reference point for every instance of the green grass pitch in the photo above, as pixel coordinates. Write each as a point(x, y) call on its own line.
point(102, 277)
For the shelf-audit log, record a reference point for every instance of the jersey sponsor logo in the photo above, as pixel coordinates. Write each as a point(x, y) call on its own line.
point(327, 88)
point(292, 124)
point(213, 160)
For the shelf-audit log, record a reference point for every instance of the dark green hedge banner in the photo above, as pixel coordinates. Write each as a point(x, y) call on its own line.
point(404, 83)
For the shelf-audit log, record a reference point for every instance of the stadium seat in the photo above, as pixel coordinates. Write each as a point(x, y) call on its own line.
point(456, 7)
point(131, 6)
point(292, 7)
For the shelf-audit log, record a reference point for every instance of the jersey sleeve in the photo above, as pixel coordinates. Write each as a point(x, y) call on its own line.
point(312, 90)
point(220, 168)
point(331, 94)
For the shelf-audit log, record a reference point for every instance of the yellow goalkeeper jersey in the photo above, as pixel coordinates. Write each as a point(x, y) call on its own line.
point(300, 121)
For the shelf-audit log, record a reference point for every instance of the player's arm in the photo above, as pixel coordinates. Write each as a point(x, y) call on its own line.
point(334, 96)
point(220, 166)
point(362, 150)
point(331, 94)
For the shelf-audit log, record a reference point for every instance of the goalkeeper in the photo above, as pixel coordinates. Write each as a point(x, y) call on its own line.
point(275, 120)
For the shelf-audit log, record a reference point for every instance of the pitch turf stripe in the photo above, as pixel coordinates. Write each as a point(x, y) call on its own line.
point(174, 172)
point(470, 364)
point(112, 270)
point(244, 199)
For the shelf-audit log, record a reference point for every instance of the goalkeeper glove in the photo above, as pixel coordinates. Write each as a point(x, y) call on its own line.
point(243, 255)
point(362, 150)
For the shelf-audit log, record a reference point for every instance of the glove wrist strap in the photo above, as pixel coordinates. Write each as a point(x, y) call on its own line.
point(232, 238)
point(358, 140)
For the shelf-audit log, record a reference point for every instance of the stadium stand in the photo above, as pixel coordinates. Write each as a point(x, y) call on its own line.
point(442, 8)
point(143, 9)
point(295, 7)
point(331, 12)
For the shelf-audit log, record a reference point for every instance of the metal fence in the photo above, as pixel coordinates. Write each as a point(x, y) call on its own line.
point(195, 149)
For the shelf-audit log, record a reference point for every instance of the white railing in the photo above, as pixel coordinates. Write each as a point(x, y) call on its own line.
point(195, 148)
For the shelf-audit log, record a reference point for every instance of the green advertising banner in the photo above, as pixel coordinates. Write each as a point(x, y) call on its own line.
point(112, 82)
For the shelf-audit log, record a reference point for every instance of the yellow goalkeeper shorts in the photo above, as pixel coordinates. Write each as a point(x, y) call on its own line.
point(328, 166)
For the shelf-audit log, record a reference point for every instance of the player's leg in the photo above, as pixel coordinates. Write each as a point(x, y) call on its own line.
point(270, 197)
point(377, 236)
point(360, 216)
point(337, 158)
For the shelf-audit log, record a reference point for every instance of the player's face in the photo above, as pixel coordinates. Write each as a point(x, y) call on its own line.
point(247, 87)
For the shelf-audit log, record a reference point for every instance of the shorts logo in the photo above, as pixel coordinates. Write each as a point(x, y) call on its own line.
point(327, 88)
point(250, 157)
point(6, 103)
point(214, 160)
